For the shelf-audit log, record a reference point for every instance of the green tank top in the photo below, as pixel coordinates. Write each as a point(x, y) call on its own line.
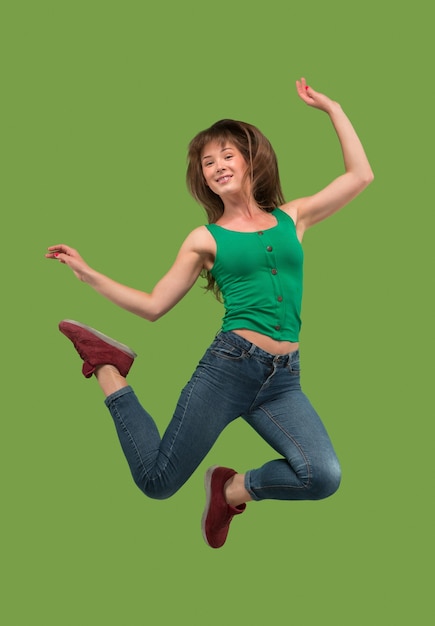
point(260, 278)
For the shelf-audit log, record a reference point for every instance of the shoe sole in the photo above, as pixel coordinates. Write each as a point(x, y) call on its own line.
point(105, 338)
point(207, 485)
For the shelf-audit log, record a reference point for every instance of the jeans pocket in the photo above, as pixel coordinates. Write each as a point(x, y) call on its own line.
point(225, 350)
point(294, 366)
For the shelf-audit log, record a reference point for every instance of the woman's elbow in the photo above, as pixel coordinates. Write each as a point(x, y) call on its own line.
point(368, 175)
point(154, 313)
point(151, 316)
point(364, 180)
point(369, 178)
point(150, 309)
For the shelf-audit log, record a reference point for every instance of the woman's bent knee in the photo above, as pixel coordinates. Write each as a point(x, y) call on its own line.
point(155, 489)
point(326, 482)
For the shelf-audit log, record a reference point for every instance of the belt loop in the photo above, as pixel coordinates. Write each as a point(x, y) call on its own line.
point(281, 359)
point(252, 349)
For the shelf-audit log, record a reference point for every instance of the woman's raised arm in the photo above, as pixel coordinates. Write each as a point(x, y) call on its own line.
point(357, 175)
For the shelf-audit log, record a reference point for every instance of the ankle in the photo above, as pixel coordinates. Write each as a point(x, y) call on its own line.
point(235, 492)
point(109, 379)
point(102, 370)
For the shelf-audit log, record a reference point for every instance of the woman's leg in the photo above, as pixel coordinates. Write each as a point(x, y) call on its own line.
point(284, 417)
point(216, 395)
point(109, 379)
point(160, 466)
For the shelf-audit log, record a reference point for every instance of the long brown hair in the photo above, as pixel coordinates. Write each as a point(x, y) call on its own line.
point(262, 171)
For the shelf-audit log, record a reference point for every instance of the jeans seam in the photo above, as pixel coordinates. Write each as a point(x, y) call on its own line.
point(181, 422)
point(130, 438)
point(305, 484)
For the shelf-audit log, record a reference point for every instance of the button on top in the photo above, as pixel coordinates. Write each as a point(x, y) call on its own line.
point(260, 232)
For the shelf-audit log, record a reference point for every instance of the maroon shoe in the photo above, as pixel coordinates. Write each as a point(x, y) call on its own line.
point(217, 513)
point(97, 349)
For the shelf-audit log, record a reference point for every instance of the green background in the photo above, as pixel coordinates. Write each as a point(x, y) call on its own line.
point(99, 101)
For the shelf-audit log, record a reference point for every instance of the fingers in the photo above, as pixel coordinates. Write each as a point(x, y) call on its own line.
point(304, 91)
point(55, 252)
point(59, 248)
point(299, 86)
point(69, 257)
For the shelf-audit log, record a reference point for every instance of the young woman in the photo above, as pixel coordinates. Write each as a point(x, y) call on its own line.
point(251, 253)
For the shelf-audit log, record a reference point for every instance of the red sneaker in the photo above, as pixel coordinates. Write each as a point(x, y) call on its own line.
point(97, 349)
point(217, 514)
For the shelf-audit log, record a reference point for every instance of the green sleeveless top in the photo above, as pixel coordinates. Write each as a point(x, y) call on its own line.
point(260, 278)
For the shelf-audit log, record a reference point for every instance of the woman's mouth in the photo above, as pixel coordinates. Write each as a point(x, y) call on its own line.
point(224, 179)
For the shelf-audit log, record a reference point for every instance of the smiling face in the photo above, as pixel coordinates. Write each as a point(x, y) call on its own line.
point(224, 167)
point(247, 164)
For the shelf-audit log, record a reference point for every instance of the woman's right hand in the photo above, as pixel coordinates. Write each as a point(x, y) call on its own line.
point(195, 252)
point(69, 256)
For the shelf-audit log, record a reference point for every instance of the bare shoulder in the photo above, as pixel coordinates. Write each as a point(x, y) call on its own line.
point(200, 240)
point(291, 208)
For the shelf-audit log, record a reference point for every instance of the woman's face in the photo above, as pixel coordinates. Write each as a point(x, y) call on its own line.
point(223, 167)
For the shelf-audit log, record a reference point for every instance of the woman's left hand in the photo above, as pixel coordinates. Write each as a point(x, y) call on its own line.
point(313, 98)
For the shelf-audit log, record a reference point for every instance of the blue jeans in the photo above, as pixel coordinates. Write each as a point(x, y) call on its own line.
point(234, 379)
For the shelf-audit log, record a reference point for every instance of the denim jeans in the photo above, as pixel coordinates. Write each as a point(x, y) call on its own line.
point(234, 379)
